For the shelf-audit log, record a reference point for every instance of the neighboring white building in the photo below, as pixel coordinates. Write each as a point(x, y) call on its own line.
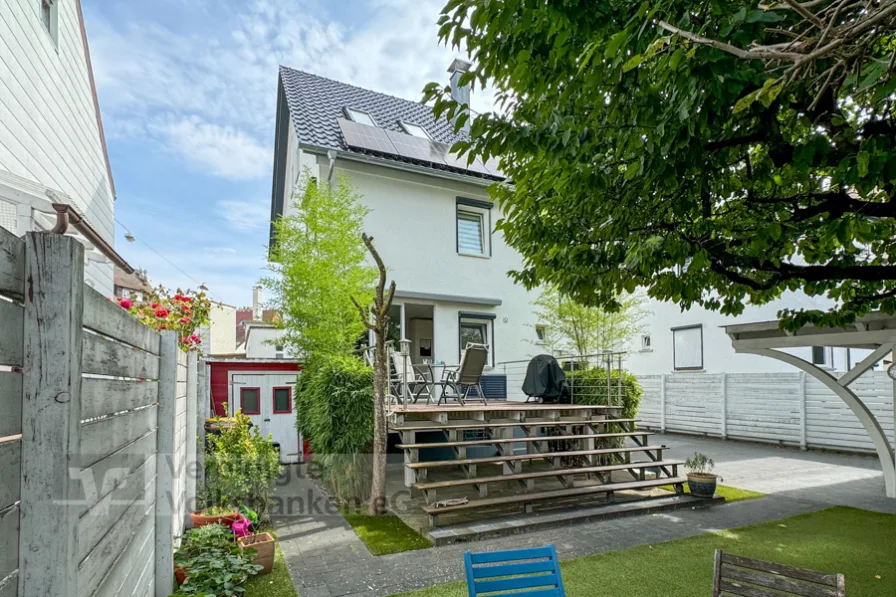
point(52, 147)
point(695, 340)
point(222, 326)
point(430, 215)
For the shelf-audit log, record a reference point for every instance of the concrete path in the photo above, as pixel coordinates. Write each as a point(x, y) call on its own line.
point(326, 558)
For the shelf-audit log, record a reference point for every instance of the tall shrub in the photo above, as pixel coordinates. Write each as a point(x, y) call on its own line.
point(334, 402)
point(589, 386)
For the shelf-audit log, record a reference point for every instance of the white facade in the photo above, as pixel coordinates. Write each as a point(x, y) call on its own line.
point(222, 323)
point(263, 342)
point(695, 341)
point(51, 135)
point(413, 219)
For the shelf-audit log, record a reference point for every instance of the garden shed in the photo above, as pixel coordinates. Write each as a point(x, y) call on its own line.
point(263, 389)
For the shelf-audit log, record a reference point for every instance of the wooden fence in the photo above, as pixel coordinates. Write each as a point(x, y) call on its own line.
point(787, 408)
point(98, 435)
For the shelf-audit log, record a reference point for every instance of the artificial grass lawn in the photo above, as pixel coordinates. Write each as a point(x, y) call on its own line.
point(857, 543)
point(385, 534)
point(275, 584)
point(731, 494)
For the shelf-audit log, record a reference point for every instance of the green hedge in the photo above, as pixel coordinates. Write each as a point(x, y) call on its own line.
point(334, 413)
point(590, 387)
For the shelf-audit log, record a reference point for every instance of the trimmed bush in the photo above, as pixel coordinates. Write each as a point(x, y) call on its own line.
point(590, 387)
point(334, 406)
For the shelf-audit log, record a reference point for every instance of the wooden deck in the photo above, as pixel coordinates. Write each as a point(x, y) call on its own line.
point(499, 406)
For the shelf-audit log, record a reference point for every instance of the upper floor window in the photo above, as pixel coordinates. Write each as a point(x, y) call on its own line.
point(49, 16)
point(415, 130)
point(360, 117)
point(823, 356)
point(541, 333)
point(687, 347)
point(645, 342)
point(473, 224)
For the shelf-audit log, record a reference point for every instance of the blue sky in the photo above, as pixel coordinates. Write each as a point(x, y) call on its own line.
point(187, 90)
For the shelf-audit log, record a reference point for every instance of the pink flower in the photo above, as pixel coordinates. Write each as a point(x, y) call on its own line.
point(185, 320)
point(154, 306)
point(161, 313)
point(126, 303)
point(196, 339)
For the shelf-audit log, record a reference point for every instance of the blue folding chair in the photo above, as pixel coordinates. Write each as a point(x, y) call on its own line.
point(537, 576)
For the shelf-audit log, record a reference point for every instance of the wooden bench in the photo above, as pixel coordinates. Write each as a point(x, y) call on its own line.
point(737, 576)
point(469, 464)
point(527, 480)
point(527, 500)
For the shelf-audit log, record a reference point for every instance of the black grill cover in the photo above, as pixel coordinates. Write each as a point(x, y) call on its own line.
point(545, 379)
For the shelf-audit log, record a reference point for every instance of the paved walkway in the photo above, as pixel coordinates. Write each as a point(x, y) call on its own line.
point(326, 558)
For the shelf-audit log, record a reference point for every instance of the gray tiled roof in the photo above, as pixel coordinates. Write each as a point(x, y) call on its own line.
point(317, 102)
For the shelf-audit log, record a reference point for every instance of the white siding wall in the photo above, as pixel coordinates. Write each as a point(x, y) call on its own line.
point(48, 126)
point(223, 329)
point(261, 342)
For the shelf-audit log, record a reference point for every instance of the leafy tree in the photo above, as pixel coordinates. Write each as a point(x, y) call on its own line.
point(584, 329)
point(713, 153)
point(319, 265)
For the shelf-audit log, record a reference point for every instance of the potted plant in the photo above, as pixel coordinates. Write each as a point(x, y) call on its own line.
point(263, 544)
point(701, 481)
point(225, 515)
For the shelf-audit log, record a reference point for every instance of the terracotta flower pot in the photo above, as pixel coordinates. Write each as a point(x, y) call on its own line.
point(263, 544)
point(200, 520)
point(702, 484)
point(180, 575)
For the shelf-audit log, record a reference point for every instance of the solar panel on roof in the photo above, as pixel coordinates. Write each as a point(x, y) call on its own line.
point(362, 136)
point(415, 148)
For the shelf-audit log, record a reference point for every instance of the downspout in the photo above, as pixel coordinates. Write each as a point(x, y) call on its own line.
point(331, 153)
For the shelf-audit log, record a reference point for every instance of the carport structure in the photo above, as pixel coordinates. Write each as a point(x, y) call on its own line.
point(875, 332)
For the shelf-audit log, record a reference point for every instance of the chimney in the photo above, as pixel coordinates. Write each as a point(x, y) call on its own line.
point(257, 312)
point(460, 94)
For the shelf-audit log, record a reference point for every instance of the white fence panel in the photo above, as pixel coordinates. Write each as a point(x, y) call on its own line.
point(693, 403)
point(650, 411)
point(830, 423)
point(764, 406)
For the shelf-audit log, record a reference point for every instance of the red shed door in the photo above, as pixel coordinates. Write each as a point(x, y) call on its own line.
point(266, 398)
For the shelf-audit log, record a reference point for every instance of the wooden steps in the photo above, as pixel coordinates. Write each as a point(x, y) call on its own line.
point(518, 440)
point(535, 456)
point(527, 479)
point(498, 424)
point(527, 500)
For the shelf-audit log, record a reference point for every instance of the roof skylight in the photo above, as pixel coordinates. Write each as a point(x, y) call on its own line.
point(415, 130)
point(360, 116)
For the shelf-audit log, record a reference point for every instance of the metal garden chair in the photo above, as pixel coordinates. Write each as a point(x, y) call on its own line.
point(533, 572)
point(418, 385)
point(467, 376)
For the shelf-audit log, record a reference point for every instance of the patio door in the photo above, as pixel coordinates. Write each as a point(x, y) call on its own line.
point(266, 398)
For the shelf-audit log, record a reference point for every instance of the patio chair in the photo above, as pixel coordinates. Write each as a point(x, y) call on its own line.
point(467, 376)
point(736, 575)
point(535, 571)
point(418, 385)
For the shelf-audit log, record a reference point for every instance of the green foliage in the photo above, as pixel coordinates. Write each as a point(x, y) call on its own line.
point(589, 386)
point(699, 463)
point(242, 467)
point(214, 563)
point(319, 264)
point(640, 159)
point(585, 329)
point(385, 534)
point(334, 406)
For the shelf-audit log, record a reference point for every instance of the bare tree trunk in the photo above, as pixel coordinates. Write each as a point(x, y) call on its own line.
point(382, 302)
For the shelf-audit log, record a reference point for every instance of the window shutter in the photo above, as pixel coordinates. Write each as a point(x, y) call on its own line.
point(469, 233)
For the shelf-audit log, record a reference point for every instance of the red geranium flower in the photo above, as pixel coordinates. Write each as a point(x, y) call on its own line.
point(185, 320)
point(196, 339)
point(161, 313)
point(126, 303)
point(154, 306)
point(187, 299)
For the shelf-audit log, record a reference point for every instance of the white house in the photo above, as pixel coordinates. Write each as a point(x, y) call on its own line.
point(430, 214)
point(689, 341)
point(52, 148)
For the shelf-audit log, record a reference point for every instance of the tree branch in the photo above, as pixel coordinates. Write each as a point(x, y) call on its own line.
point(759, 53)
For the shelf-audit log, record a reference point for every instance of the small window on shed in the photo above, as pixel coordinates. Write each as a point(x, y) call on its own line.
point(250, 403)
point(360, 117)
point(283, 400)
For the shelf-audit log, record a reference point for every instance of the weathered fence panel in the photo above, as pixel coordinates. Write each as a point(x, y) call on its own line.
point(93, 441)
point(788, 408)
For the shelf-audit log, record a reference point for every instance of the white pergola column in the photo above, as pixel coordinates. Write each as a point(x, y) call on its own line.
point(841, 388)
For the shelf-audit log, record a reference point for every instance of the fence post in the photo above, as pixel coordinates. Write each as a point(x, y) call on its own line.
point(663, 402)
point(804, 444)
point(202, 410)
point(191, 469)
point(51, 416)
point(164, 548)
point(724, 406)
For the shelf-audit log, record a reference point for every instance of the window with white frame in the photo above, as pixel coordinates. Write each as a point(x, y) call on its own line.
point(823, 356)
point(475, 328)
point(473, 227)
point(360, 116)
point(49, 16)
point(415, 130)
point(645, 342)
point(541, 333)
point(687, 347)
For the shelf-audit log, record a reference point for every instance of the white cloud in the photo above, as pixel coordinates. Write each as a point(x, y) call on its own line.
point(222, 150)
point(245, 215)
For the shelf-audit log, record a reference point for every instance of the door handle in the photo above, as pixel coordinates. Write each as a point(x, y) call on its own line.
point(267, 420)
